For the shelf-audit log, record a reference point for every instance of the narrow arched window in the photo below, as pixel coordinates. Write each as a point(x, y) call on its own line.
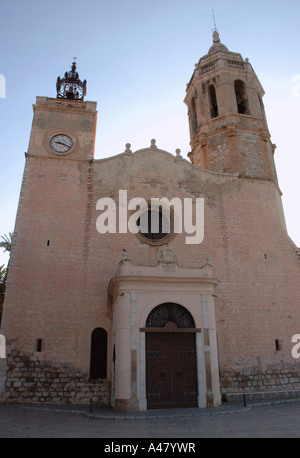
point(213, 101)
point(98, 365)
point(193, 116)
point(241, 97)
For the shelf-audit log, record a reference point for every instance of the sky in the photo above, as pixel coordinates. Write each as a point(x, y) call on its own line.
point(137, 57)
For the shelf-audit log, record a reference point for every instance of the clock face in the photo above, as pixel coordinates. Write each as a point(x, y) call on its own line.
point(61, 143)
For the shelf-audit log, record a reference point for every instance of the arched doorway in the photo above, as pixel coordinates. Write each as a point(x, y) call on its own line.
point(98, 363)
point(171, 362)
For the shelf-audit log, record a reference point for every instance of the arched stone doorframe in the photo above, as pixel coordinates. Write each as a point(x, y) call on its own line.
point(181, 300)
point(201, 379)
point(206, 350)
point(134, 293)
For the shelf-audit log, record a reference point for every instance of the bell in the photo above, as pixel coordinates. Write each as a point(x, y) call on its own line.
point(70, 93)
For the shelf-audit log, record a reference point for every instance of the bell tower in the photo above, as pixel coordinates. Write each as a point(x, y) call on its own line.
point(228, 126)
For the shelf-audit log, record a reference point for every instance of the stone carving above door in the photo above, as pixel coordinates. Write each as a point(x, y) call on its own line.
point(167, 256)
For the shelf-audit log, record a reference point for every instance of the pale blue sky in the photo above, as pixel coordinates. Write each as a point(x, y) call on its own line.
point(137, 56)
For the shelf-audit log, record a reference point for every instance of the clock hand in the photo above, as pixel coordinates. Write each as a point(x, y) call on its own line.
point(60, 143)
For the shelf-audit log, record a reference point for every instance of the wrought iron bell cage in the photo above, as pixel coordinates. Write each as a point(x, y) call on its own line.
point(70, 86)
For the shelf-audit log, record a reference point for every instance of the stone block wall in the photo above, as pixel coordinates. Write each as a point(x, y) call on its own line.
point(29, 380)
point(285, 379)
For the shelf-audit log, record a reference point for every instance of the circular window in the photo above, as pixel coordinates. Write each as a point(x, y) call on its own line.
point(155, 226)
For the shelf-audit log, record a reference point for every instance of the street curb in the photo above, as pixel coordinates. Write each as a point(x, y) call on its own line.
point(163, 416)
point(117, 416)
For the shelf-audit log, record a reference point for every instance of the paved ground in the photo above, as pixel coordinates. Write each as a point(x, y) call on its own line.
point(261, 420)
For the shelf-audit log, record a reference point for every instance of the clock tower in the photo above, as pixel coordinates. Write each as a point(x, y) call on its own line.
point(64, 127)
point(53, 226)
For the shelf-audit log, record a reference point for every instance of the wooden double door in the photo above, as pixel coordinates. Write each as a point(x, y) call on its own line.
point(171, 370)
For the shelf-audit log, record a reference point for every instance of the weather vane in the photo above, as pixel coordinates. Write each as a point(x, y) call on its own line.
point(215, 27)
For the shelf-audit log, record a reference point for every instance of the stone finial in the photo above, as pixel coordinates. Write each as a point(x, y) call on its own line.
point(153, 144)
point(128, 146)
point(178, 155)
point(216, 37)
point(217, 44)
point(207, 268)
point(124, 265)
point(208, 261)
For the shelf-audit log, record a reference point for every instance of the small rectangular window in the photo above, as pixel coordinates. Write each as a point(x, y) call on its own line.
point(48, 242)
point(39, 345)
point(278, 345)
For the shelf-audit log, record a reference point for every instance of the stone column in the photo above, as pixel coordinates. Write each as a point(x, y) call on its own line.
point(133, 346)
point(142, 397)
point(213, 394)
point(200, 371)
point(122, 317)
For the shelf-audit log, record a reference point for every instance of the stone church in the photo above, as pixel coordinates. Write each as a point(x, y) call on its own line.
point(143, 319)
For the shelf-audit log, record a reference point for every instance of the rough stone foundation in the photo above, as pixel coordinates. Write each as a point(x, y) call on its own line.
point(285, 379)
point(26, 379)
point(29, 380)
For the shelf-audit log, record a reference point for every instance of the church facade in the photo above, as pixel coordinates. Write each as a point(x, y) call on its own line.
point(202, 306)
